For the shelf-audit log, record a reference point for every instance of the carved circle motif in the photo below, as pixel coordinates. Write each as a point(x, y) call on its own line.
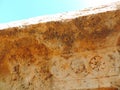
point(79, 68)
point(96, 63)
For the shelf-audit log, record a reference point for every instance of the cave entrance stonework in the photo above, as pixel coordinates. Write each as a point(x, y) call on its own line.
point(72, 51)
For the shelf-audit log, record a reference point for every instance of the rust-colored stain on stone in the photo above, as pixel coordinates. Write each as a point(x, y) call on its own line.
point(76, 54)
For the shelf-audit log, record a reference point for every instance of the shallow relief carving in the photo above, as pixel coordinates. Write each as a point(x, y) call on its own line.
point(101, 68)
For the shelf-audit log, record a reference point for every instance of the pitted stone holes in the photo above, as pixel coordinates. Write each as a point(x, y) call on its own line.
point(78, 67)
point(96, 63)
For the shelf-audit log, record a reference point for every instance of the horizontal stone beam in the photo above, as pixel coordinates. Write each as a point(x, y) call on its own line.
point(71, 51)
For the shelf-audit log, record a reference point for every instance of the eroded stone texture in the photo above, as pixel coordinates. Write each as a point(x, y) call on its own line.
point(75, 54)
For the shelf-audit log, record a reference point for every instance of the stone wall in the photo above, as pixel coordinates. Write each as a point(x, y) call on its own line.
point(80, 53)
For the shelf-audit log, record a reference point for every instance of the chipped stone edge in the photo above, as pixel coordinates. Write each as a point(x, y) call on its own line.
point(61, 16)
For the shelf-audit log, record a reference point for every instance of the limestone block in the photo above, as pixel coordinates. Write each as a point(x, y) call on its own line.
point(79, 50)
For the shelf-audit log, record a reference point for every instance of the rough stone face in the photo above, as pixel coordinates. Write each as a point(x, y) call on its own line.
point(80, 53)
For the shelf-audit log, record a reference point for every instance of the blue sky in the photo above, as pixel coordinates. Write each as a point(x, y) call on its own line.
point(12, 10)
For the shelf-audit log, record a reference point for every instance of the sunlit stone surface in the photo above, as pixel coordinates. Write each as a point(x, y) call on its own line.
point(72, 51)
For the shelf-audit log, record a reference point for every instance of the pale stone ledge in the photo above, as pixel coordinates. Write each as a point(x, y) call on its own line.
point(72, 51)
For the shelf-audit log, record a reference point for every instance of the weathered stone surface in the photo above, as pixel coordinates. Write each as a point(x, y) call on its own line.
point(70, 54)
